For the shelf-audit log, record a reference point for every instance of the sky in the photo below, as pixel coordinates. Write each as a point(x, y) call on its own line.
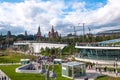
point(19, 16)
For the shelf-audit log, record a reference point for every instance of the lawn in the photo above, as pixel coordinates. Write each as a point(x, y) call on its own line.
point(107, 78)
point(8, 57)
point(10, 71)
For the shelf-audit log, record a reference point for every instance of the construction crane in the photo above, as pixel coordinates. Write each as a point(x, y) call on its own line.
point(83, 25)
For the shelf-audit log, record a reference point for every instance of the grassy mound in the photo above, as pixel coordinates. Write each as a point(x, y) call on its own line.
point(9, 57)
point(10, 71)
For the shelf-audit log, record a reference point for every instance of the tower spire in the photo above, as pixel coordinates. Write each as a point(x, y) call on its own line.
point(52, 29)
point(25, 35)
point(38, 35)
point(39, 29)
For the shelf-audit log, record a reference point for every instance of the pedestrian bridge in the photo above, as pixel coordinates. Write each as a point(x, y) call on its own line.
point(36, 47)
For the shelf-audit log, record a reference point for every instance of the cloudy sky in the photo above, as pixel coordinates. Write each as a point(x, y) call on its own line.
point(26, 15)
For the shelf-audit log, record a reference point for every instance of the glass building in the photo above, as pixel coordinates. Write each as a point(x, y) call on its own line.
point(99, 54)
point(73, 69)
point(109, 32)
point(105, 51)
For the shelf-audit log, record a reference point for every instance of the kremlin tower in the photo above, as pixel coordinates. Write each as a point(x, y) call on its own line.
point(38, 35)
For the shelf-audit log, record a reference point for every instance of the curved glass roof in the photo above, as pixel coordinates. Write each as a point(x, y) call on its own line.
point(110, 31)
point(111, 41)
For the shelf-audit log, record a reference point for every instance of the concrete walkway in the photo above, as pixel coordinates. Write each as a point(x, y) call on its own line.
point(3, 76)
point(10, 63)
point(92, 74)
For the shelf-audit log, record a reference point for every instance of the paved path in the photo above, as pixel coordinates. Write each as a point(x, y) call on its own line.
point(10, 63)
point(93, 74)
point(3, 76)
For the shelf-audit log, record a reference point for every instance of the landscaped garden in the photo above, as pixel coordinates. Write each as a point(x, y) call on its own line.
point(10, 71)
point(12, 57)
point(8, 57)
point(107, 78)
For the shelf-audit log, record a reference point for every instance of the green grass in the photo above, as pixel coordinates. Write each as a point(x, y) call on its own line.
point(107, 78)
point(9, 57)
point(10, 71)
point(117, 43)
point(112, 69)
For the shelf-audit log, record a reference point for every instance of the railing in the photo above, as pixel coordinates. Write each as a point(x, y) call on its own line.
point(3, 76)
point(41, 42)
point(97, 45)
point(23, 69)
point(27, 71)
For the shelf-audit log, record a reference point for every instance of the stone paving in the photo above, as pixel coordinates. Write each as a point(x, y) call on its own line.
point(3, 76)
point(92, 74)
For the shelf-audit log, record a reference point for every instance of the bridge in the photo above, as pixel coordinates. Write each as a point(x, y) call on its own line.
point(37, 46)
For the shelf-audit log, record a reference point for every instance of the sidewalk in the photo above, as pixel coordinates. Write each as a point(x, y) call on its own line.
point(10, 63)
point(3, 76)
point(92, 74)
point(112, 74)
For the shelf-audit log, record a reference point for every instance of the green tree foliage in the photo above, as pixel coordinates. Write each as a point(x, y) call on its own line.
point(48, 52)
point(70, 49)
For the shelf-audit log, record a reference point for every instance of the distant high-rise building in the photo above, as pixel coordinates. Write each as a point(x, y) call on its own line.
point(1, 34)
point(52, 34)
point(38, 35)
point(26, 35)
point(8, 34)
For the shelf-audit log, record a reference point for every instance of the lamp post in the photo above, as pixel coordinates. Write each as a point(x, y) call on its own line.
point(116, 72)
point(74, 30)
point(60, 52)
point(83, 25)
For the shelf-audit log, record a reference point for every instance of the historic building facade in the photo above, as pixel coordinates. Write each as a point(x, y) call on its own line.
point(8, 34)
point(53, 34)
point(25, 35)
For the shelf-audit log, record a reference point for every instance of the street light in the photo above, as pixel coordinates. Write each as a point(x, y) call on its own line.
point(116, 72)
point(74, 30)
point(83, 29)
point(60, 52)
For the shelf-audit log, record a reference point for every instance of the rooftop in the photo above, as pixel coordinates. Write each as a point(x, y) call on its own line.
point(110, 41)
point(110, 31)
point(74, 63)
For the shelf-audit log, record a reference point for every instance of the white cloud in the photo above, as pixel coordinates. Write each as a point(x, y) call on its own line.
point(28, 15)
point(78, 5)
point(99, 18)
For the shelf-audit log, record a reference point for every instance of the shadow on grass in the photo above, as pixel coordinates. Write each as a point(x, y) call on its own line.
point(103, 77)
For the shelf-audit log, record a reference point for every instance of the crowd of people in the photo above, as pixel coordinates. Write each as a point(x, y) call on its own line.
point(47, 58)
point(101, 69)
